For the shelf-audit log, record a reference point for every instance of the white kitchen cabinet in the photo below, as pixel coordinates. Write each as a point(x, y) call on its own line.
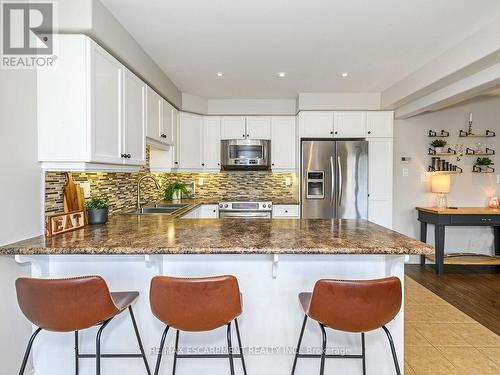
point(211, 143)
point(134, 119)
point(379, 124)
point(91, 111)
point(153, 117)
point(190, 141)
point(283, 138)
point(258, 127)
point(168, 118)
point(380, 171)
point(316, 124)
point(349, 124)
point(286, 211)
point(233, 127)
point(205, 211)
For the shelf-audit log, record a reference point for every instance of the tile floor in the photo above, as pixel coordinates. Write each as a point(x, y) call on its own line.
point(441, 340)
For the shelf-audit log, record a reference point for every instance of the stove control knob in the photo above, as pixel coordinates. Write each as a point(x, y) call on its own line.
point(220, 205)
point(269, 205)
point(225, 206)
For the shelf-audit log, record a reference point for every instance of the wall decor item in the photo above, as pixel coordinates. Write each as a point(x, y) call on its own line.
point(494, 202)
point(435, 134)
point(487, 134)
point(438, 145)
point(483, 165)
point(64, 222)
point(487, 151)
point(470, 124)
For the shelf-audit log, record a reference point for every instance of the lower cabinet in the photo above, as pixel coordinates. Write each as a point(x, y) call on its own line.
point(286, 211)
point(205, 211)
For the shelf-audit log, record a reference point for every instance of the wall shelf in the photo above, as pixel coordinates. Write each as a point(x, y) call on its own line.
point(449, 152)
point(457, 170)
point(471, 152)
point(483, 169)
point(441, 134)
point(488, 134)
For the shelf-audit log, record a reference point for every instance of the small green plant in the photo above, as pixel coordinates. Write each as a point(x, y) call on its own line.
point(175, 187)
point(438, 143)
point(483, 161)
point(96, 203)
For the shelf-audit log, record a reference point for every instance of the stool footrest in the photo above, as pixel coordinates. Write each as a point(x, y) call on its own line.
point(207, 356)
point(349, 356)
point(110, 356)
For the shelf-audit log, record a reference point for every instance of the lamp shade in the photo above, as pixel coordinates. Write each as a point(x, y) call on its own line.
point(441, 183)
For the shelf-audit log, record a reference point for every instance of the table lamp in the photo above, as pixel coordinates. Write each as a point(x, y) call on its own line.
point(441, 185)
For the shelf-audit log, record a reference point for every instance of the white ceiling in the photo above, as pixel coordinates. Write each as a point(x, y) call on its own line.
point(378, 42)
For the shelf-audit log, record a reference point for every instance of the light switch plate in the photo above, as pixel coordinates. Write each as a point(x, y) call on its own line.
point(86, 189)
point(405, 172)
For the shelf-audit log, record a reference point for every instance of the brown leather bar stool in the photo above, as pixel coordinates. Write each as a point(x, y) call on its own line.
point(197, 305)
point(351, 306)
point(73, 304)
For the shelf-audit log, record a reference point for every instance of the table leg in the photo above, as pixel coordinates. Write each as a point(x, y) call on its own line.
point(496, 232)
point(439, 231)
point(423, 238)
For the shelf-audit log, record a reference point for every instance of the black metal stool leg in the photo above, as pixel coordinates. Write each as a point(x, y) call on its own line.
point(230, 348)
point(139, 340)
point(298, 345)
point(98, 348)
point(393, 350)
point(175, 352)
point(363, 352)
point(160, 351)
point(241, 346)
point(28, 350)
point(323, 350)
point(77, 353)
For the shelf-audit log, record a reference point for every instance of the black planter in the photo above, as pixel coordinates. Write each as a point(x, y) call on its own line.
point(97, 215)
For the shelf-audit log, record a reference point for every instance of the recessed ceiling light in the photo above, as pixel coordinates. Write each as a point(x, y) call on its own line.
point(345, 75)
point(282, 74)
point(220, 74)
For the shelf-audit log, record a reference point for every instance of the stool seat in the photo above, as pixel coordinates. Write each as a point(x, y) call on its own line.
point(123, 300)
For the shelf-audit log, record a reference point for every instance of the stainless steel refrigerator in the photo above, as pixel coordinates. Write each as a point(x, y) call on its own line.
point(334, 179)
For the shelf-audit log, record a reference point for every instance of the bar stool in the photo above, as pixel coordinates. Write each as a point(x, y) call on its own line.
point(351, 306)
point(73, 304)
point(197, 305)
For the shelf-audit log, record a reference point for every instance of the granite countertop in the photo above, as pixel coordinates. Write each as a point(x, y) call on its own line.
point(167, 234)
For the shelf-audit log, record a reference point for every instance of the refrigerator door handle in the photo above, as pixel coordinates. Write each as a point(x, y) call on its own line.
point(340, 180)
point(332, 172)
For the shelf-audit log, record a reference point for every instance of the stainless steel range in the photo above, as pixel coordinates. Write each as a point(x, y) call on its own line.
point(246, 210)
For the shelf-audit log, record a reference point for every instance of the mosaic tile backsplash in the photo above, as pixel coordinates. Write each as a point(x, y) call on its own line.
point(120, 188)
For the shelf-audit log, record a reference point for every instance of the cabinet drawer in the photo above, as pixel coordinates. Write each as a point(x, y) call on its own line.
point(286, 211)
point(475, 220)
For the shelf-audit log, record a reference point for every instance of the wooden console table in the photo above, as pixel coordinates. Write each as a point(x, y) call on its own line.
point(461, 216)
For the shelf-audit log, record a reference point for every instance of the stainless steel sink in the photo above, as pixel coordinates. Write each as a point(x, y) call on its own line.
point(164, 209)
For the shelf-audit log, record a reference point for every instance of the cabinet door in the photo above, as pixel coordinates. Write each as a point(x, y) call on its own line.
point(349, 124)
point(134, 140)
point(190, 141)
point(209, 211)
point(233, 127)
point(167, 122)
point(258, 127)
point(106, 75)
point(153, 105)
point(283, 136)
point(286, 211)
point(316, 124)
point(380, 170)
point(379, 124)
point(211, 143)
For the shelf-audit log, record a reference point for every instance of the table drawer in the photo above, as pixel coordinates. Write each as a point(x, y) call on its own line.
point(492, 220)
point(286, 211)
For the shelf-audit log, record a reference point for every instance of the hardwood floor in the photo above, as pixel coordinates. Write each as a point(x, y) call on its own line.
point(473, 290)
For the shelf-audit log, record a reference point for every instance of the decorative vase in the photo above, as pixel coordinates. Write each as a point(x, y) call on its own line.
point(97, 215)
point(176, 195)
point(494, 202)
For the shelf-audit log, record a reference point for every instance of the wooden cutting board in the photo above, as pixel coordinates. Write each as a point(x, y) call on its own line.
point(70, 195)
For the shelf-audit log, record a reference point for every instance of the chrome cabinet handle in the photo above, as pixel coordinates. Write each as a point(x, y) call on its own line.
point(340, 180)
point(332, 171)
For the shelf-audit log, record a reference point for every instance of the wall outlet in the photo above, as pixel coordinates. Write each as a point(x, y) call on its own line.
point(86, 189)
point(288, 181)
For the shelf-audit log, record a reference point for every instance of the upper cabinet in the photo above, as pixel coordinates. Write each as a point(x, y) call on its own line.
point(211, 143)
point(316, 124)
point(161, 118)
point(233, 127)
point(190, 141)
point(91, 111)
point(349, 124)
point(258, 127)
point(379, 124)
point(283, 141)
point(168, 119)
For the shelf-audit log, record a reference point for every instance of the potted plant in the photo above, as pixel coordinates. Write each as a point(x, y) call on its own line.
point(483, 162)
point(175, 190)
point(438, 145)
point(97, 210)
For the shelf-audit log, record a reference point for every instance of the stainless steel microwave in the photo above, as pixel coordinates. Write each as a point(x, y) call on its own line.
point(246, 154)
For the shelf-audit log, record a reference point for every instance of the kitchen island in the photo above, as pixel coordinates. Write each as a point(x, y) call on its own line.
point(273, 260)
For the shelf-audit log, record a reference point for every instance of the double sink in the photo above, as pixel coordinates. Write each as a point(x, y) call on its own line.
point(164, 209)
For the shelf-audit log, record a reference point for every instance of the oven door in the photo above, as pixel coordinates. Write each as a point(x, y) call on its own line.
point(245, 214)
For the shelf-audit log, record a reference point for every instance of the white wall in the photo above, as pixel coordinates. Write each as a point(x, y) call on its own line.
point(20, 200)
point(340, 101)
point(468, 189)
point(193, 103)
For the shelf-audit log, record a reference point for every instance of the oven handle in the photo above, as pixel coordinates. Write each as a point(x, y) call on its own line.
point(240, 214)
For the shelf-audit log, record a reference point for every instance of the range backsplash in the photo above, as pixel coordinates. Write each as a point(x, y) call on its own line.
point(120, 188)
